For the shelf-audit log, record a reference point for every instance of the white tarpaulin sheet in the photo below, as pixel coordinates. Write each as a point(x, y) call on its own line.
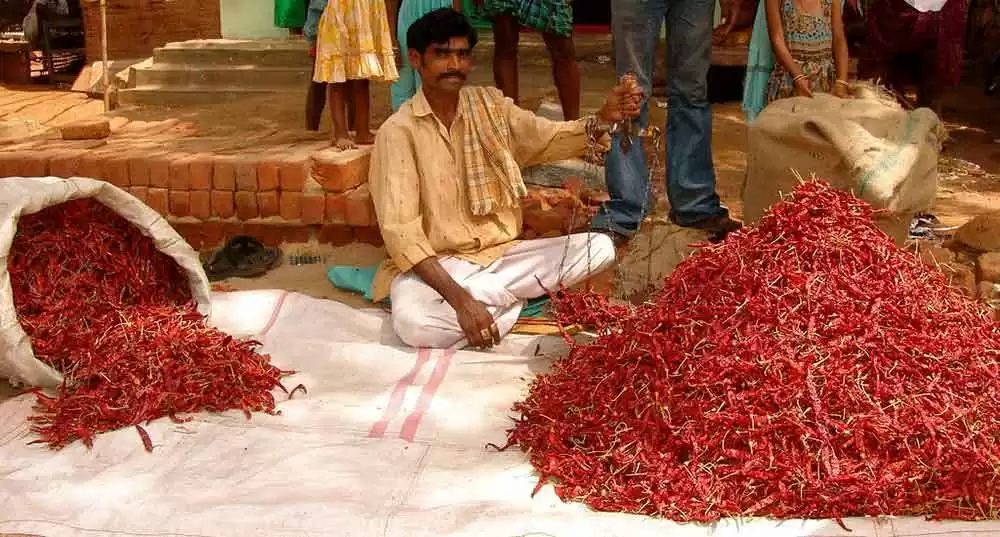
point(388, 442)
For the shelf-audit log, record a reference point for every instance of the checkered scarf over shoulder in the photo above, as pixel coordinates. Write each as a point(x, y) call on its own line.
point(491, 172)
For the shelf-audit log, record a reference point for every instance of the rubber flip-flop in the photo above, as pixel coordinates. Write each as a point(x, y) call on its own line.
point(242, 257)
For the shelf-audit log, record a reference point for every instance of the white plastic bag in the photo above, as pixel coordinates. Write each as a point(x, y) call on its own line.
point(22, 196)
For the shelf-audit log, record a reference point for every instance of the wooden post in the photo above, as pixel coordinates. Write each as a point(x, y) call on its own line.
point(104, 55)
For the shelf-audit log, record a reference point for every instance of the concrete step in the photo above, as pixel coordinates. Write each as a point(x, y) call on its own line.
point(169, 96)
point(257, 77)
point(233, 52)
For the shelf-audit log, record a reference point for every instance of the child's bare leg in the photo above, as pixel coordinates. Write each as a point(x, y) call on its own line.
point(362, 115)
point(315, 103)
point(337, 95)
point(350, 112)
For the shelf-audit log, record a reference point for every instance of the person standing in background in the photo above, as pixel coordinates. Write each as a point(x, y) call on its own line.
point(290, 14)
point(316, 96)
point(798, 48)
point(926, 36)
point(353, 47)
point(401, 17)
point(691, 191)
point(554, 19)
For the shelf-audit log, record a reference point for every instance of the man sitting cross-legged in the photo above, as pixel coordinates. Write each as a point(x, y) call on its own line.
point(446, 183)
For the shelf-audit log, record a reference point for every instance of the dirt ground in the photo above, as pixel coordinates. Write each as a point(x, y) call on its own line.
point(969, 179)
point(970, 165)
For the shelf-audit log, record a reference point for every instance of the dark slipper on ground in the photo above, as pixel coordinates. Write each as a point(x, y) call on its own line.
point(242, 257)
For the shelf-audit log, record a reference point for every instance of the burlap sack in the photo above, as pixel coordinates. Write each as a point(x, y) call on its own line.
point(20, 196)
point(868, 145)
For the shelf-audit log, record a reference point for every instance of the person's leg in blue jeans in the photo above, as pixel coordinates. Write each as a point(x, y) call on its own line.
point(636, 29)
point(690, 173)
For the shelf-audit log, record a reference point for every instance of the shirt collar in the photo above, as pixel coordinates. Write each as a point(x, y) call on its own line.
point(422, 108)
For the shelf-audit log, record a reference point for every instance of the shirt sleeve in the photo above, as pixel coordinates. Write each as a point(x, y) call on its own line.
point(395, 188)
point(537, 140)
point(313, 15)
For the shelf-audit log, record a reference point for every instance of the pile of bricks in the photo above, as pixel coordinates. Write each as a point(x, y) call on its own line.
point(551, 212)
point(296, 195)
point(971, 260)
point(288, 194)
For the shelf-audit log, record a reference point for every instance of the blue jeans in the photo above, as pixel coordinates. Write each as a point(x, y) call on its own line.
point(690, 176)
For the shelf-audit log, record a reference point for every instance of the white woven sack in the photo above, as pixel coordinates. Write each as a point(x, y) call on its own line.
point(868, 145)
point(22, 196)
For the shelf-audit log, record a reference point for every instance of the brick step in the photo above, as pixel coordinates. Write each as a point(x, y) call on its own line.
point(235, 52)
point(159, 95)
point(174, 77)
point(211, 234)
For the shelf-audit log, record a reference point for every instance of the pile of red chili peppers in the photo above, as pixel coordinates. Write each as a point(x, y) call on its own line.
point(805, 368)
point(103, 306)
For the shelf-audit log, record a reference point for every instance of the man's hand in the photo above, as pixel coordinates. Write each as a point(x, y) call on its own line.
point(730, 11)
point(621, 103)
point(477, 323)
point(473, 317)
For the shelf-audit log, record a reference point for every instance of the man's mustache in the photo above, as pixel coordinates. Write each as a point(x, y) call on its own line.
point(452, 74)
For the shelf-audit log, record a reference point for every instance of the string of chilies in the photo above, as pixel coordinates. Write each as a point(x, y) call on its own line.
point(804, 368)
point(115, 316)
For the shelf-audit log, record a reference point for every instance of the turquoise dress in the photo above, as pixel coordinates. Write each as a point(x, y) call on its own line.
point(409, 81)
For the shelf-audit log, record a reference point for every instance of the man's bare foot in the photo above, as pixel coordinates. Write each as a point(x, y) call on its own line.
point(364, 138)
point(344, 143)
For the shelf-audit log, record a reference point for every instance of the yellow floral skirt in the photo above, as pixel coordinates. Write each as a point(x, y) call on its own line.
point(354, 43)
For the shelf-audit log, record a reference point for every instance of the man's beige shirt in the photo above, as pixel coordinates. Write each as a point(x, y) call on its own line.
point(419, 187)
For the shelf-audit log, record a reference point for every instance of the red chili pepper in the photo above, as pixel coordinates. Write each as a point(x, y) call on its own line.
point(803, 368)
point(146, 441)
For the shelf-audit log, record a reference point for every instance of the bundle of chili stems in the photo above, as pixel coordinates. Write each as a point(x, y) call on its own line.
point(115, 316)
point(805, 368)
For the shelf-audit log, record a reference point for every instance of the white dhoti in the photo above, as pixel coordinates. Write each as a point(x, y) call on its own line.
point(422, 318)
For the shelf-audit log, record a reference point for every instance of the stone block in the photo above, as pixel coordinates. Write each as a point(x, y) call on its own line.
point(341, 171)
point(91, 129)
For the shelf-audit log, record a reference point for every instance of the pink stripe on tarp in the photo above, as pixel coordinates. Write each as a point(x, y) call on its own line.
point(412, 423)
point(396, 399)
point(274, 314)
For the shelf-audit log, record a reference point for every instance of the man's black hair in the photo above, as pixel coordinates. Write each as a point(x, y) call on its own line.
point(439, 27)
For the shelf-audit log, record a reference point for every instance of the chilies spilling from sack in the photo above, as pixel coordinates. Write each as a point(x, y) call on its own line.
point(115, 316)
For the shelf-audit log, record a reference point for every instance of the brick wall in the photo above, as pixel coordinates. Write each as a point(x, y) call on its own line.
point(136, 27)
